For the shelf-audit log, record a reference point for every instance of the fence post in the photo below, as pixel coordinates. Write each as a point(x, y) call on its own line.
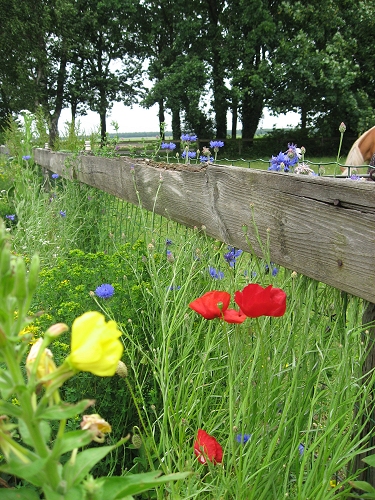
point(368, 474)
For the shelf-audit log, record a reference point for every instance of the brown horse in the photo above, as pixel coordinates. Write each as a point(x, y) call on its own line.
point(362, 150)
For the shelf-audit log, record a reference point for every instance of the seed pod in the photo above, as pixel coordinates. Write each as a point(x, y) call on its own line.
point(7, 274)
point(33, 274)
point(20, 289)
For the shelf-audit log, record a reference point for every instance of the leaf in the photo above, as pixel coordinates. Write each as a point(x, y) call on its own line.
point(72, 440)
point(6, 384)
point(32, 472)
point(133, 484)
point(10, 409)
point(44, 428)
point(370, 460)
point(85, 461)
point(77, 493)
point(19, 494)
point(363, 485)
point(64, 410)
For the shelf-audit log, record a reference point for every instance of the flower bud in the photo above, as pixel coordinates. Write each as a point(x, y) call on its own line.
point(56, 330)
point(122, 370)
point(46, 365)
point(19, 290)
point(33, 274)
point(342, 127)
point(136, 441)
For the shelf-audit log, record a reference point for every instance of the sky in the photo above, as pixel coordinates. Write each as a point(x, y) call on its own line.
point(138, 119)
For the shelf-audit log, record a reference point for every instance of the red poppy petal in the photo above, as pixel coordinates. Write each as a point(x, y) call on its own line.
point(256, 301)
point(212, 304)
point(206, 446)
point(233, 316)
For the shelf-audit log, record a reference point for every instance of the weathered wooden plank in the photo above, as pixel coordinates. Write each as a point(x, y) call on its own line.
point(321, 227)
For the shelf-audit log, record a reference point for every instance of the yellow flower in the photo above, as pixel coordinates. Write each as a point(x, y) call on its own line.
point(46, 365)
point(96, 347)
point(97, 425)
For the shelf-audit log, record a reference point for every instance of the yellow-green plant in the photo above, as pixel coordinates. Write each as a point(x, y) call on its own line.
point(53, 463)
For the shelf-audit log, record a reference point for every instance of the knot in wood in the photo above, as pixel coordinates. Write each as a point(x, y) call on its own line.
point(340, 263)
point(336, 202)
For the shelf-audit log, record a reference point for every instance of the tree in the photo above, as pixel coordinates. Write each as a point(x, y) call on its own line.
point(173, 41)
point(105, 68)
point(313, 67)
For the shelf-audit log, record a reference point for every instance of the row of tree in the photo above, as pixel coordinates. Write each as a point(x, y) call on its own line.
point(316, 57)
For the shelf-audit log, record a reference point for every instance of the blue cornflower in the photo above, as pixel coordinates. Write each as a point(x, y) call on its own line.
point(204, 159)
point(231, 256)
point(301, 449)
point(168, 242)
point(243, 438)
point(216, 274)
point(105, 291)
point(62, 213)
point(26, 157)
point(279, 162)
point(188, 138)
point(168, 145)
point(216, 144)
point(191, 154)
point(10, 217)
point(173, 287)
point(55, 176)
point(274, 269)
point(355, 177)
point(293, 153)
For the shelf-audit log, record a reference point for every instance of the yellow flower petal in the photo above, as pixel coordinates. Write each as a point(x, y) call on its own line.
point(96, 347)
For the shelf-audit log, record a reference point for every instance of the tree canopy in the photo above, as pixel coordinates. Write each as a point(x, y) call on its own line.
point(203, 58)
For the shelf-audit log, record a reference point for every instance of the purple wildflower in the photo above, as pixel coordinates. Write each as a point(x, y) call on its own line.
point(231, 256)
point(168, 145)
point(26, 157)
point(188, 138)
point(55, 176)
point(191, 154)
point(105, 291)
point(243, 438)
point(62, 213)
point(279, 162)
point(216, 274)
point(205, 159)
point(216, 144)
point(301, 449)
point(10, 217)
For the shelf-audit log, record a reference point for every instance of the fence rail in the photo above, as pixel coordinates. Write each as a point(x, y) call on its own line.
point(321, 227)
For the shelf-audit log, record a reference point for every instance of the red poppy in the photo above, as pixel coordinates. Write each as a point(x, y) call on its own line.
point(212, 304)
point(255, 301)
point(207, 448)
point(233, 316)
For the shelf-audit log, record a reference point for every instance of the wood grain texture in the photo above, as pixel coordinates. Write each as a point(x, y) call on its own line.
point(321, 227)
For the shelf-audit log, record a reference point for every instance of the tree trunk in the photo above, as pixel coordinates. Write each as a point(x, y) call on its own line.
point(234, 117)
point(161, 115)
point(103, 128)
point(303, 119)
point(176, 124)
point(252, 109)
point(220, 104)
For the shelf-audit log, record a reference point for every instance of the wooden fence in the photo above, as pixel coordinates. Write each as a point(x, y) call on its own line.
point(321, 227)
